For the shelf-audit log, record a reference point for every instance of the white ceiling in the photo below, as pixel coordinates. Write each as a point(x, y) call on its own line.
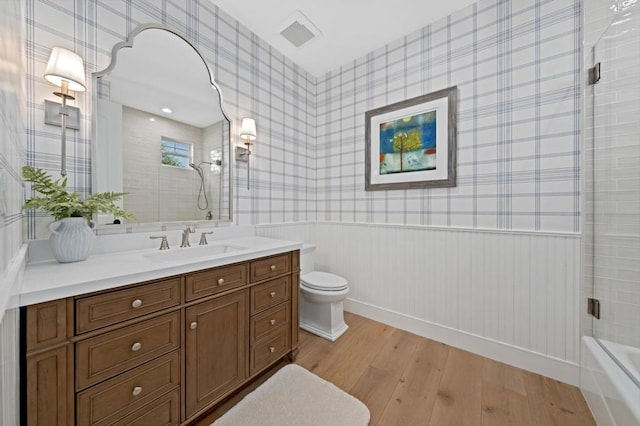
point(350, 28)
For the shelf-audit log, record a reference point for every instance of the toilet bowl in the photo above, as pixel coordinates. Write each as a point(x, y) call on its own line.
point(321, 297)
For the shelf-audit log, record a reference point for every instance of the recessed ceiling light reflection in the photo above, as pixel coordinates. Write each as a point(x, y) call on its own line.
point(152, 119)
point(166, 110)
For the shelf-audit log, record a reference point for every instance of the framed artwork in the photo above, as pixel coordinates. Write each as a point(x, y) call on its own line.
point(412, 143)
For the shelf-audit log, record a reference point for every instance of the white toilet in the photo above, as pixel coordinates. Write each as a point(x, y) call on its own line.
point(321, 296)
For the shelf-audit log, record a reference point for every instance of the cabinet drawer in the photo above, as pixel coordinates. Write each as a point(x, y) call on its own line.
point(215, 281)
point(269, 320)
point(271, 293)
point(120, 396)
point(269, 350)
point(270, 267)
point(163, 411)
point(106, 309)
point(111, 353)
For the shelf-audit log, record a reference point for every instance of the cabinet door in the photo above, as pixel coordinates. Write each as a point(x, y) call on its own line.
point(216, 352)
point(48, 399)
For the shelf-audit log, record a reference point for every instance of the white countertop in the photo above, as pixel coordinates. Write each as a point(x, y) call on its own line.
point(49, 280)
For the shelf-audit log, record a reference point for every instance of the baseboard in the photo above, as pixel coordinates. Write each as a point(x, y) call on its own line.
point(554, 368)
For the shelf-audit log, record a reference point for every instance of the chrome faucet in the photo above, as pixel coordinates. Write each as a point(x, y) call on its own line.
point(203, 238)
point(164, 244)
point(190, 229)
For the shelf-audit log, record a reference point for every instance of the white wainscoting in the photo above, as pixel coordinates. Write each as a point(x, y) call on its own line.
point(510, 296)
point(294, 231)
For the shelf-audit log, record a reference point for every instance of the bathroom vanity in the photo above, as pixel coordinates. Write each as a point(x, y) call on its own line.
point(162, 350)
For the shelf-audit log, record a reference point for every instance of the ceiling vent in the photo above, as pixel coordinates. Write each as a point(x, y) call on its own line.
point(298, 29)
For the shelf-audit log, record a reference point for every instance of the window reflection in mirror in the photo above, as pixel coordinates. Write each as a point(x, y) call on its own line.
point(175, 154)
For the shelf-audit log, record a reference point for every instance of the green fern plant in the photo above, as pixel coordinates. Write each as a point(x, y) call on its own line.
point(57, 201)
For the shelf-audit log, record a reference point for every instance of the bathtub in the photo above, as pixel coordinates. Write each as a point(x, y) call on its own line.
point(612, 396)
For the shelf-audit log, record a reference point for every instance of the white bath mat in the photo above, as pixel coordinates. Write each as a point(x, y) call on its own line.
point(295, 397)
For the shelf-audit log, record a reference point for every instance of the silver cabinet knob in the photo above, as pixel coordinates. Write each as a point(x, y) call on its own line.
point(136, 346)
point(136, 303)
point(272, 294)
point(272, 267)
point(136, 391)
point(221, 281)
point(272, 349)
point(194, 325)
point(273, 322)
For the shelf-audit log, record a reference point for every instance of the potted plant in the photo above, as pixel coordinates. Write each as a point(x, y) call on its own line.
point(71, 240)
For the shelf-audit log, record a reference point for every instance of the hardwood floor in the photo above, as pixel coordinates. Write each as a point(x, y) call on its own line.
point(406, 379)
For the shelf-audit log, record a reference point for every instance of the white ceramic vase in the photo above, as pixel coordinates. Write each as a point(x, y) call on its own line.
point(72, 239)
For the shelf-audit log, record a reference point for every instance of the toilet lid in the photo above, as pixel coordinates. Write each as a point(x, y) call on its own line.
point(323, 281)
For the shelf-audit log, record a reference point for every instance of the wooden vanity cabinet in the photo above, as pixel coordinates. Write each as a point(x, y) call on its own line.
point(161, 352)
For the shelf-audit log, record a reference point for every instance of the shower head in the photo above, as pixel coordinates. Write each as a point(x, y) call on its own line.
point(193, 166)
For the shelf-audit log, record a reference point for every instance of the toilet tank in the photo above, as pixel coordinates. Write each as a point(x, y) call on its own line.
point(306, 258)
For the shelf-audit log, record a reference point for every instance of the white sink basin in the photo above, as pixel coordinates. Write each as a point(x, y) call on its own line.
point(189, 253)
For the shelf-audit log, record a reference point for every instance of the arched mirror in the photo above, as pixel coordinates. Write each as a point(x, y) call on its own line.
point(160, 133)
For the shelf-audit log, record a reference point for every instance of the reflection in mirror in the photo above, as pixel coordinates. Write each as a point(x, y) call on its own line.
point(160, 132)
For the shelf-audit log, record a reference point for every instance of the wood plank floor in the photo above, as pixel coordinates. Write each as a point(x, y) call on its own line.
point(406, 379)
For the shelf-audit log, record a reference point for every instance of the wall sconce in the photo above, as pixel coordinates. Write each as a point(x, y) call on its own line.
point(65, 70)
point(248, 133)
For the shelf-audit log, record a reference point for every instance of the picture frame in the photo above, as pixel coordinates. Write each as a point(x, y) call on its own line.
point(412, 143)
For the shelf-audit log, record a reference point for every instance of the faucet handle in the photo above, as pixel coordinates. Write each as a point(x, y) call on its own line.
point(164, 244)
point(203, 238)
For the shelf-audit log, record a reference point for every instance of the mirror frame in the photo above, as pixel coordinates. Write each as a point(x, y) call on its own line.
point(97, 150)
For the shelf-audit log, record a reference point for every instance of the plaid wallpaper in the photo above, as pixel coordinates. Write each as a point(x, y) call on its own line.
point(256, 81)
point(12, 135)
point(12, 141)
point(517, 67)
point(516, 64)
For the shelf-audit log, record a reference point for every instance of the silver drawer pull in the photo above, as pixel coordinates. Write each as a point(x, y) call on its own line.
point(272, 267)
point(194, 325)
point(136, 303)
point(272, 322)
point(221, 281)
point(272, 349)
point(136, 391)
point(272, 294)
point(136, 346)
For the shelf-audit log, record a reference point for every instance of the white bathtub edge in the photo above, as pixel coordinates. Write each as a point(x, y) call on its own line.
point(611, 395)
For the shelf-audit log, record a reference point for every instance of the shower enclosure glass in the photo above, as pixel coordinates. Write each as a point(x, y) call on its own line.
point(615, 230)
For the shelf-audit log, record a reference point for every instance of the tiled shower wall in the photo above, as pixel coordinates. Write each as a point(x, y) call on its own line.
point(256, 81)
point(597, 17)
point(12, 139)
point(517, 68)
point(156, 192)
point(612, 177)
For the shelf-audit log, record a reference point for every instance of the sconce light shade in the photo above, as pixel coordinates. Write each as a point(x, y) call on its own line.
point(66, 71)
point(248, 129)
point(65, 65)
